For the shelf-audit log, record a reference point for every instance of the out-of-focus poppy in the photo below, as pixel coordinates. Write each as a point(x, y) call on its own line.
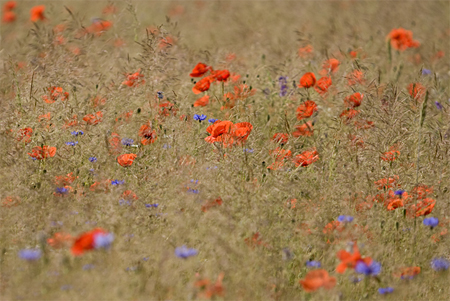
point(71, 122)
point(316, 279)
point(65, 180)
point(280, 138)
point(147, 133)
point(220, 75)
point(202, 101)
point(363, 124)
point(402, 39)
point(422, 208)
point(308, 80)
point(126, 159)
point(37, 13)
point(86, 241)
point(348, 114)
point(349, 260)
point(306, 52)
point(210, 290)
point(305, 129)
point(322, 85)
point(8, 17)
point(59, 239)
point(199, 70)
point(202, 85)
point(167, 109)
point(93, 119)
point(55, 93)
point(332, 227)
point(306, 109)
point(387, 183)
point(280, 155)
point(211, 203)
point(391, 155)
point(330, 66)
point(166, 42)
point(255, 240)
point(306, 158)
point(25, 135)
point(417, 90)
point(353, 100)
point(10, 5)
point(134, 80)
point(10, 201)
point(114, 145)
point(126, 116)
point(241, 131)
point(109, 10)
point(40, 153)
point(422, 191)
point(407, 272)
point(355, 77)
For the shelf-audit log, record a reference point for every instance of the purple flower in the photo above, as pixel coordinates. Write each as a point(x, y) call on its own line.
point(75, 133)
point(212, 120)
point(123, 202)
point(160, 94)
point(61, 190)
point(426, 71)
point(372, 269)
point(282, 81)
point(127, 141)
point(440, 264)
point(200, 118)
point(185, 252)
point(88, 267)
point(345, 218)
point(438, 105)
point(92, 159)
point(399, 192)
point(387, 290)
point(30, 254)
point(103, 240)
point(117, 182)
point(313, 264)
point(151, 205)
point(248, 150)
point(72, 143)
point(431, 222)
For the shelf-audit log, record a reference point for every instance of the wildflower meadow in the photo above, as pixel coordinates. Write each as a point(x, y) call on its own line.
point(225, 150)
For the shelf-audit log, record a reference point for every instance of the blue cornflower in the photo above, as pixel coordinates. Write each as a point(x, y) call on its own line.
point(123, 202)
point(313, 264)
point(248, 150)
point(438, 105)
point(399, 192)
point(103, 240)
point(194, 181)
point(195, 191)
point(151, 205)
point(431, 222)
point(440, 264)
point(30, 254)
point(167, 146)
point(345, 218)
point(212, 120)
point(127, 141)
point(61, 190)
point(92, 159)
point(76, 133)
point(88, 267)
point(185, 252)
point(200, 118)
point(117, 182)
point(387, 290)
point(282, 81)
point(72, 143)
point(369, 270)
point(160, 94)
point(426, 71)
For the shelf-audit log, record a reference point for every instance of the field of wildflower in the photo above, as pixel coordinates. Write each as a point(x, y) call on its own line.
point(225, 150)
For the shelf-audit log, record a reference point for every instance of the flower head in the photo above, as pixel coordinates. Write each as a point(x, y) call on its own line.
point(117, 182)
point(200, 118)
point(72, 143)
point(94, 239)
point(372, 269)
point(160, 94)
point(387, 290)
point(313, 264)
point(126, 159)
point(282, 82)
point(402, 39)
point(103, 240)
point(440, 264)
point(431, 222)
point(308, 80)
point(37, 13)
point(92, 159)
point(185, 252)
point(345, 218)
point(30, 254)
point(316, 279)
point(127, 141)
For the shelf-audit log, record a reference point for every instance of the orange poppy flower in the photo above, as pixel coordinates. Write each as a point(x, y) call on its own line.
point(10, 201)
point(354, 100)
point(129, 195)
point(94, 119)
point(402, 39)
point(65, 180)
point(109, 10)
point(25, 135)
point(210, 204)
point(308, 80)
point(47, 116)
point(422, 208)
point(10, 5)
point(356, 77)
point(241, 131)
point(306, 158)
point(59, 240)
point(202, 101)
point(199, 70)
point(322, 85)
point(40, 153)
point(348, 114)
point(217, 129)
point(280, 154)
point(220, 75)
point(8, 17)
point(86, 241)
point(417, 90)
point(55, 93)
point(349, 260)
point(391, 155)
point(306, 109)
point(202, 85)
point(407, 273)
point(148, 134)
point(305, 129)
point(37, 13)
point(363, 124)
point(115, 146)
point(330, 66)
point(316, 279)
point(306, 52)
point(280, 138)
point(332, 226)
point(134, 80)
point(126, 159)
point(210, 290)
point(422, 191)
point(385, 184)
point(166, 42)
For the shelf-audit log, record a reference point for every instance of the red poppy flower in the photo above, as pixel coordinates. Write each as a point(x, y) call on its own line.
point(59, 239)
point(332, 226)
point(241, 131)
point(391, 155)
point(10, 5)
point(8, 17)
point(305, 129)
point(306, 109)
point(356, 77)
point(322, 85)
point(210, 204)
point(306, 52)
point(402, 39)
point(55, 93)
point(134, 80)
point(199, 70)
point(210, 290)
point(422, 191)
point(417, 90)
point(25, 135)
point(148, 134)
point(407, 273)
point(115, 146)
point(306, 158)
point(220, 75)
point(280, 155)
point(129, 195)
point(109, 10)
point(166, 42)
point(126, 159)
point(37, 13)
point(349, 260)
point(353, 100)
point(316, 279)
point(65, 180)
point(202, 101)
point(422, 208)
point(280, 138)
point(94, 119)
point(167, 108)
point(348, 114)
point(385, 184)
point(40, 153)
point(202, 85)
point(308, 80)
point(10, 201)
point(330, 66)
point(86, 241)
